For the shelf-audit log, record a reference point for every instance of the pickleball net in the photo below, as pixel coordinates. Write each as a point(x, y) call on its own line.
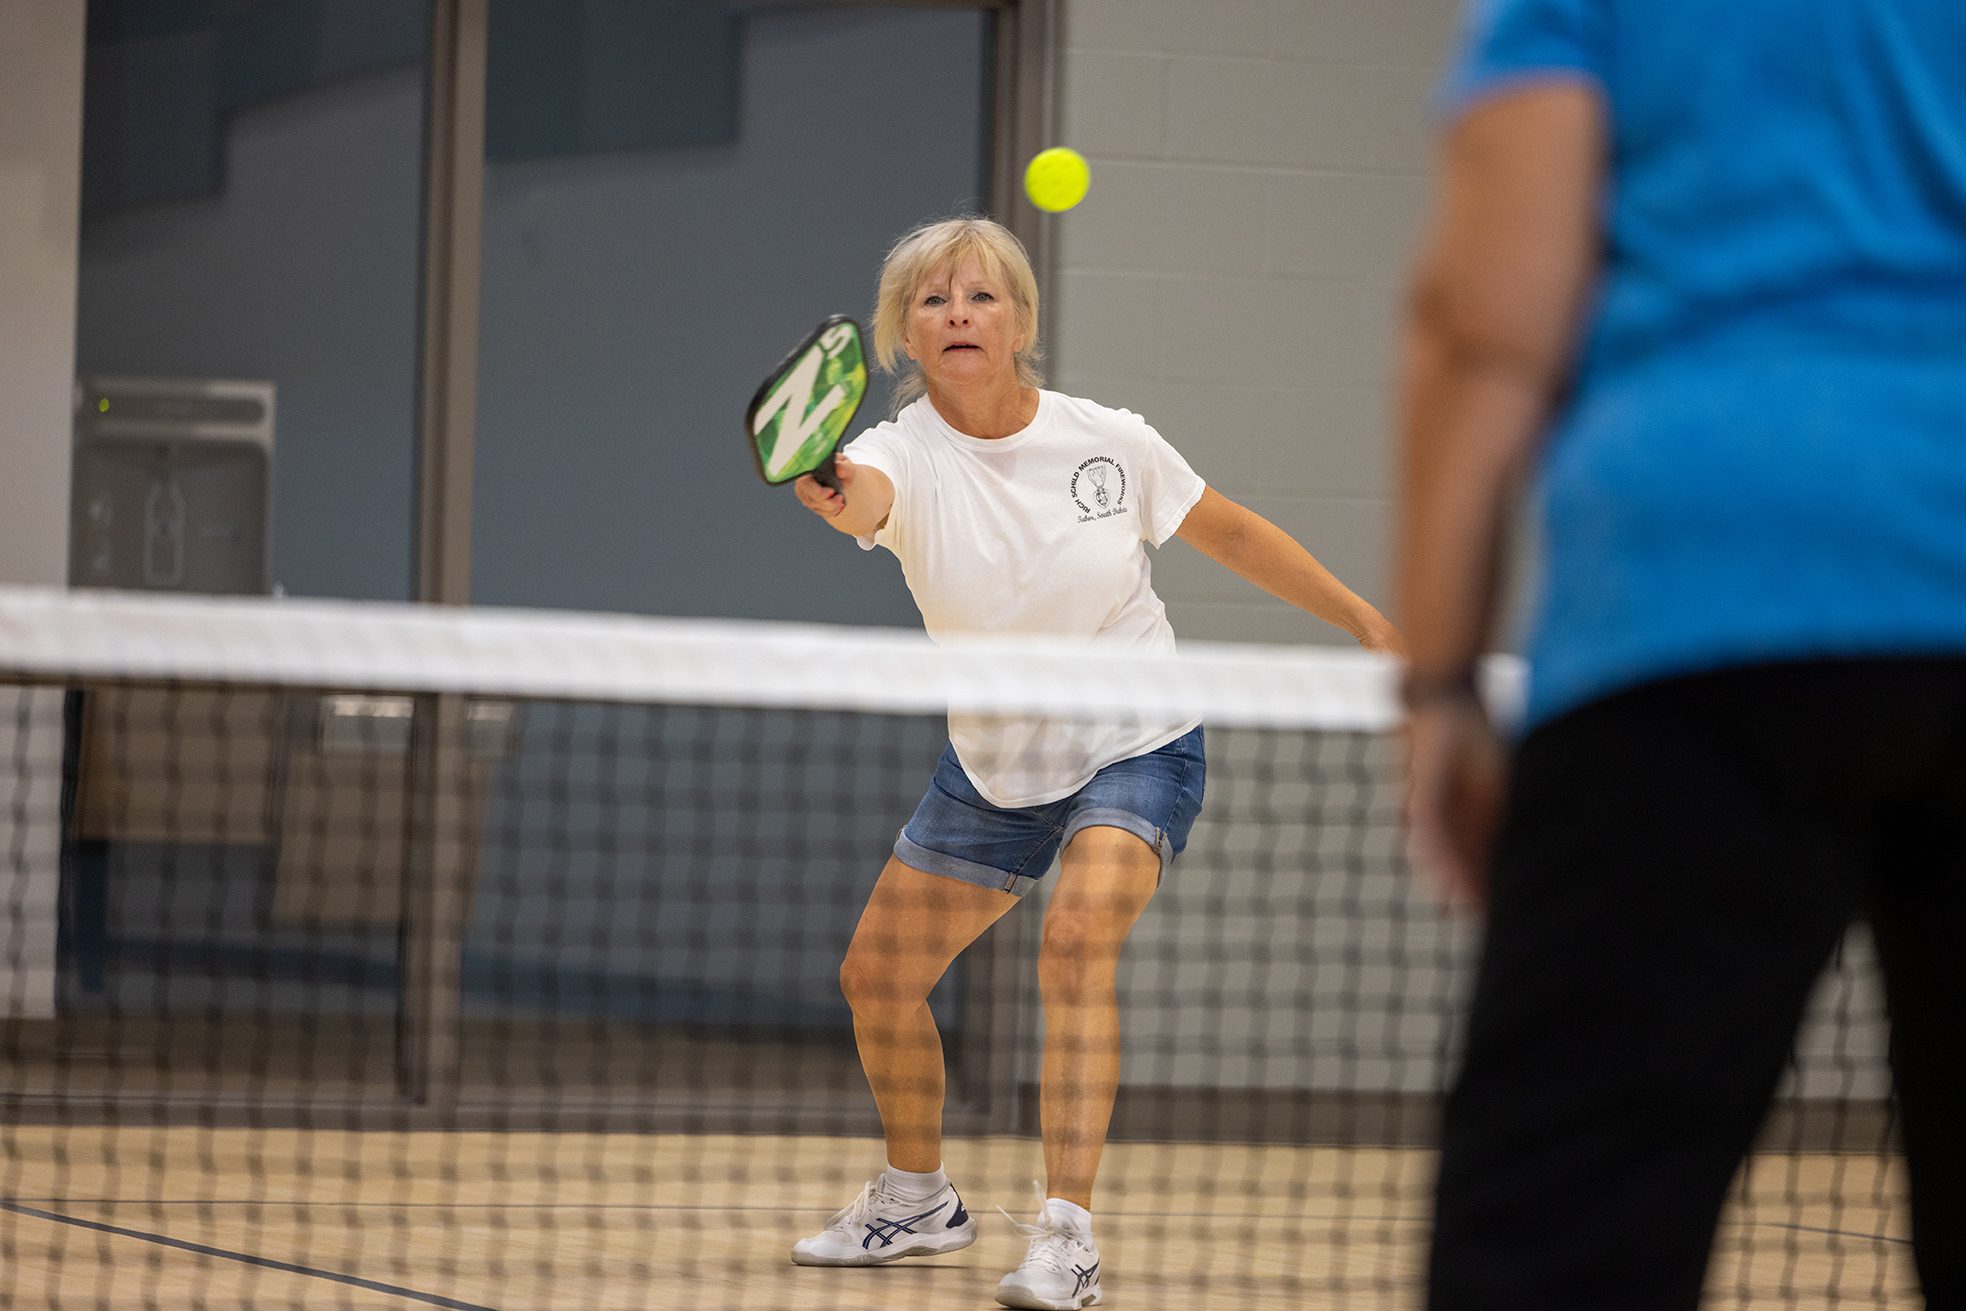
point(370, 955)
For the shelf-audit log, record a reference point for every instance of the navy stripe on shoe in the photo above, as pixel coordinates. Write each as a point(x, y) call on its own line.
point(885, 1230)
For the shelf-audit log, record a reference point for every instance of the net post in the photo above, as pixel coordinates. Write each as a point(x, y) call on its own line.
point(454, 183)
point(438, 866)
point(438, 859)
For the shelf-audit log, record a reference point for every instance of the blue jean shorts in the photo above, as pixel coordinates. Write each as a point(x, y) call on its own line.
point(957, 834)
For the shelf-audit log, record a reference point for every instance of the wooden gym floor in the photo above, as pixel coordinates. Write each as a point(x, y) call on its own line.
point(189, 1217)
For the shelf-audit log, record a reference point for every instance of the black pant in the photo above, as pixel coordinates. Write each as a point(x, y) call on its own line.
point(1677, 863)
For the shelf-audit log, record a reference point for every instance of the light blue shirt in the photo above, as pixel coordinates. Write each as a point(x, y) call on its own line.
point(1764, 456)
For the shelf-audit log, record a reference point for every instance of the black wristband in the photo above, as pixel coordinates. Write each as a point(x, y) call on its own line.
point(1457, 686)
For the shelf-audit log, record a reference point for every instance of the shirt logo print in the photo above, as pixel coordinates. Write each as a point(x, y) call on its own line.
point(1099, 488)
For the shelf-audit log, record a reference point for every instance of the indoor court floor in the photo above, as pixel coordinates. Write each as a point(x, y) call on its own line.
point(234, 1217)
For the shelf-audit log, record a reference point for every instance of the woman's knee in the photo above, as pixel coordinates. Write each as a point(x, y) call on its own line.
point(874, 983)
point(1078, 951)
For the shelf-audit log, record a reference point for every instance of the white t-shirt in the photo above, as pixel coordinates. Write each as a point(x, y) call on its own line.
point(1043, 531)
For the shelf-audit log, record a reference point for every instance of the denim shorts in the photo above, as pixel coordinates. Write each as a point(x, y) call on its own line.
point(957, 834)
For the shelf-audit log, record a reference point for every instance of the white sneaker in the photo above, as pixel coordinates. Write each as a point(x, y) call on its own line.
point(880, 1227)
point(1060, 1270)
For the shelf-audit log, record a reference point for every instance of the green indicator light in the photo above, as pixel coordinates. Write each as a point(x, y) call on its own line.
point(102, 406)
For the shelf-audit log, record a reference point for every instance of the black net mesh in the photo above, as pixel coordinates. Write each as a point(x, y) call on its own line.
point(394, 997)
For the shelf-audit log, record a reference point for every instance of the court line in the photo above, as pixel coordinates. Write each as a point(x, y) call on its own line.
point(1835, 1233)
point(1395, 1218)
point(246, 1258)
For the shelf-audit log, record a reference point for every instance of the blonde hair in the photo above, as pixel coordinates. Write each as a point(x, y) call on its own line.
point(944, 244)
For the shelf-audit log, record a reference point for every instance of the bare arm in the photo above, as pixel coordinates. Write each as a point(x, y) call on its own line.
point(1489, 344)
point(859, 507)
point(1246, 543)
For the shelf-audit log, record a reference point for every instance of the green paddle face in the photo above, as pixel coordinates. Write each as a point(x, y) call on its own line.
point(796, 420)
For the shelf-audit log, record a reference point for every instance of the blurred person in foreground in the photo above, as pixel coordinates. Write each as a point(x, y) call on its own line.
point(1698, 274)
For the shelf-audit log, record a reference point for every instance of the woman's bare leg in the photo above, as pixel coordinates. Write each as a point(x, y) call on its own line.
point(915, 924)
point(1106, 878)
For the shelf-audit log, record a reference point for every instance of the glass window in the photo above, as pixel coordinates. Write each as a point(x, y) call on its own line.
point(653, 244)
point(249, 275)
point(252, 211)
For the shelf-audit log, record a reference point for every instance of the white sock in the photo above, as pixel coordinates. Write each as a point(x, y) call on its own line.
point(1058, 1211)
point(913, 1187)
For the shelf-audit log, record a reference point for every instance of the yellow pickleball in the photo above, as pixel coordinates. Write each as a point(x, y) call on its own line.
point(1056, 179)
